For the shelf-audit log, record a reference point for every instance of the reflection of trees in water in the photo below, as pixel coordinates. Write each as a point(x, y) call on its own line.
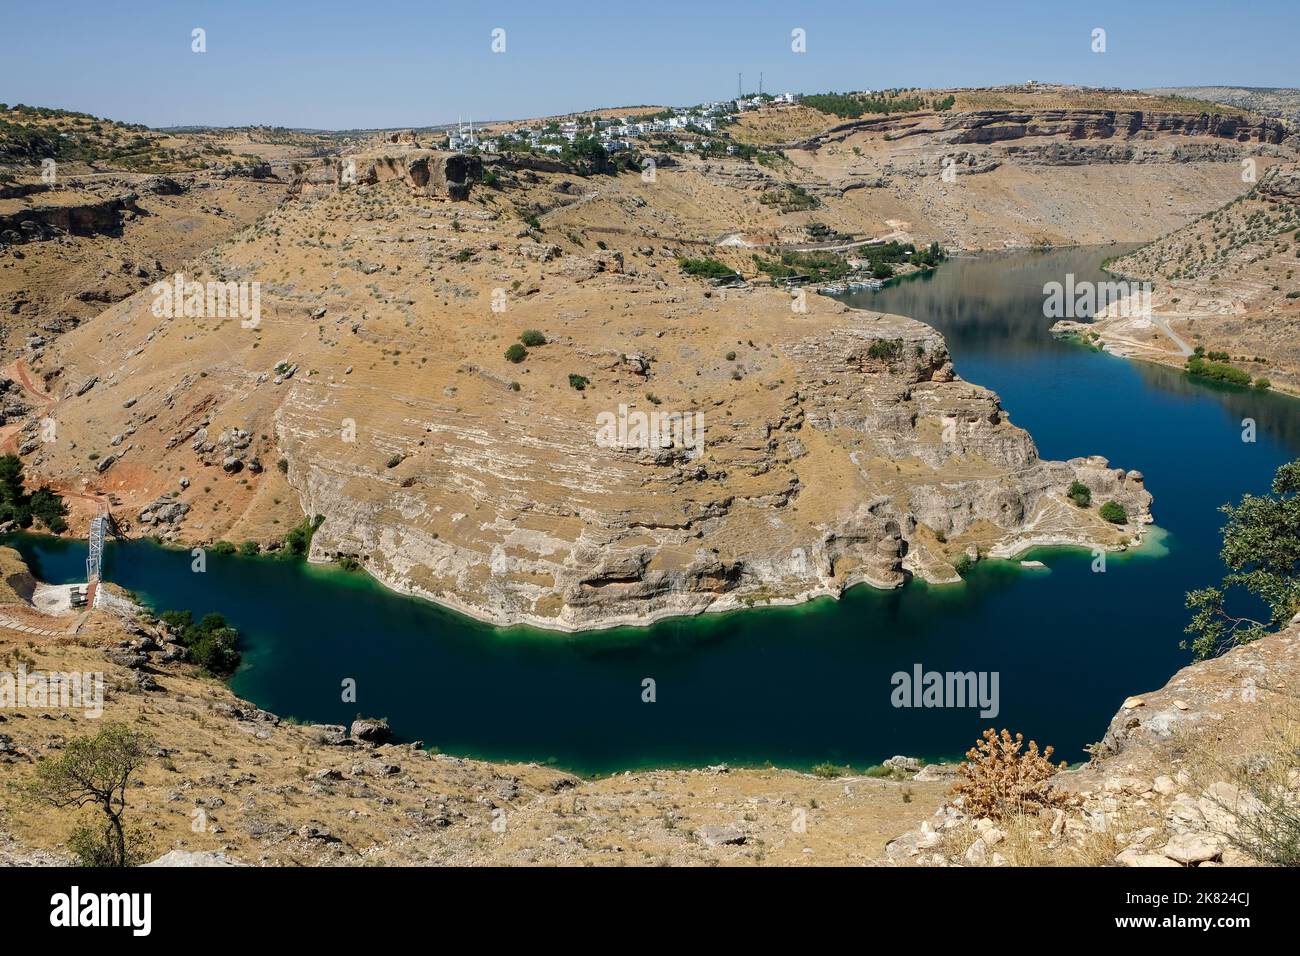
point(993, 302)
point(1276, 416)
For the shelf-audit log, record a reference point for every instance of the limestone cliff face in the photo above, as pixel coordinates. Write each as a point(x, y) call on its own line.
point(44, 221)
point(524, 519)
point(989, 126)
point(1008, 125)
point(429, 173)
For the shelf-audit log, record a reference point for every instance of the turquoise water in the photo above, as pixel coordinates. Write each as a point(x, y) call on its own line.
point(793, 686)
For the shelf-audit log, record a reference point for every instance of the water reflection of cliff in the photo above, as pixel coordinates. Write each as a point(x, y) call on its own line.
point(1276, 416)
point(994, 301)
point(993, 305)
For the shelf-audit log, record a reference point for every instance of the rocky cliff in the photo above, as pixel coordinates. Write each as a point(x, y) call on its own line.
point(990, 126)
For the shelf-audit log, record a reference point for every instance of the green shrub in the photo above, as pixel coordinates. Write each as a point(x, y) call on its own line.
point(885, 349)
point(49, 509)
point(516, 353)
point(1079, 493)
point(298, 540)
point(221, 547)
point(213, 644)
point(1218, 370)
point(578, 382)
point(248, 549)
point(828, 771)
point(18, 506)
point(532, 338)
point(1114, 512)
point(706, 269)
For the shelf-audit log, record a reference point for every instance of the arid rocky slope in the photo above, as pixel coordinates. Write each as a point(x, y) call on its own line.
point(92, 211)
point(837, 446)
point(1202, 772)
point(68, 251)
point(1226, 282)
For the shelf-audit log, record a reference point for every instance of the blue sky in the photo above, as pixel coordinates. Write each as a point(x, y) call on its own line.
point(388, 63)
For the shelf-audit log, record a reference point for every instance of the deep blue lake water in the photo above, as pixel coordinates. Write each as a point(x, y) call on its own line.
point(795, 686)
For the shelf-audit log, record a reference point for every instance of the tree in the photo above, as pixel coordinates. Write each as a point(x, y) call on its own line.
point(12, 495)
point(588, 154)
point(1261, 547)
point(1114, 512)
point(18, 506)
point(95, 771)
point(1079, 493)
point(213, 645)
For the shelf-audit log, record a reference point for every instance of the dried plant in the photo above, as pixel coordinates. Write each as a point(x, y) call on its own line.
point(1002, 778)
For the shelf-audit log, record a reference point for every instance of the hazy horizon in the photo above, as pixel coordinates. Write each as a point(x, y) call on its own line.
point(401, 64)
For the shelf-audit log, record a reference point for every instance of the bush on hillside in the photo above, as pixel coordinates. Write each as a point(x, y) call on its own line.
point(1001, 778)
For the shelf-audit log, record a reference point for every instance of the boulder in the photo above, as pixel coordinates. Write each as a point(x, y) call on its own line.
point(713, 834)
point(1189, 848)
point(371, 731)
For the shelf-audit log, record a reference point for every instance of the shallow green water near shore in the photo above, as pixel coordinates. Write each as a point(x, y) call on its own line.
point(792, 686)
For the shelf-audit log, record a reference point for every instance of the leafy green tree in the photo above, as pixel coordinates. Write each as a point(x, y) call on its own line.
point(1079, 493)
point(1261, 548)
point(12, 494)
point(706, 268)
point(588, 153)
point(18, 506)
point(213, 644)
point(1113, 512)
point(95, 771)
point(298, 540)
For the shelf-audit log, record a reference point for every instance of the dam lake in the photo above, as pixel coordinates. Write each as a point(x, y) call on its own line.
point(802, 685)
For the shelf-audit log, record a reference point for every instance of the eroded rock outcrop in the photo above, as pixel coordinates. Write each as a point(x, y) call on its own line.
point(564, 534)
point(990, 126)
point(429, 173)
